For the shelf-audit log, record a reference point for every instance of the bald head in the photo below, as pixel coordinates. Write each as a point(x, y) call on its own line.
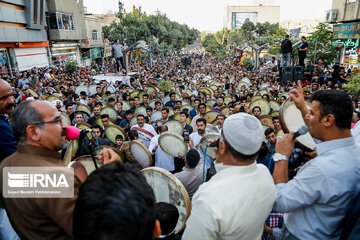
point(7, 101)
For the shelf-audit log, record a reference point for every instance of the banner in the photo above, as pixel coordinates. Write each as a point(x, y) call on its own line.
point(95, 53)
point(347, 30)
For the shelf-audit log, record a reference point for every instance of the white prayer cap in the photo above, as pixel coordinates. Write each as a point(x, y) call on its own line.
point(244, 133)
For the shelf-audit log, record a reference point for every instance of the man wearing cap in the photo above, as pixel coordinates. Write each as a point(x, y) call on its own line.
point(317, 199)
point(235, 203)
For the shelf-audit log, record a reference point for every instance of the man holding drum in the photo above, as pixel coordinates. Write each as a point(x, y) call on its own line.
point(236, 201)
point(316, 200)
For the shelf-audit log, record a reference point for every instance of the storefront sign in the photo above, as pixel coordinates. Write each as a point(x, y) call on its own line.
point(107, 51)
point(348, 30)
point(346, 43)
point(95, 53)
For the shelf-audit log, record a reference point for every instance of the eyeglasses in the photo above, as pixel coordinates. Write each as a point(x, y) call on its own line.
point(56, 120)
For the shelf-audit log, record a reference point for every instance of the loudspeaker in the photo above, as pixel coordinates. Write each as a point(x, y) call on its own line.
point(286, 75)
point(298, 73)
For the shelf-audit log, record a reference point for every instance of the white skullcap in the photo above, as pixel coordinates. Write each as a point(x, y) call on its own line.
point(244, 133)
point(29, 98)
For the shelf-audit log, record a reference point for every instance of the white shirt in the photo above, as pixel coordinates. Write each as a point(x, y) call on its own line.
point(162, 159)
point(355, 132)
point(196, 138)
point(234, 204)
point(148, 128)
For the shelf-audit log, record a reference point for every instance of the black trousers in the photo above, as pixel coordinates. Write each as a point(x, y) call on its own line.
point(119, 63)
point(301, 59)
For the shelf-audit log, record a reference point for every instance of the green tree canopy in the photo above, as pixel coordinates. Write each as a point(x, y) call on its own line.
point(137, 25)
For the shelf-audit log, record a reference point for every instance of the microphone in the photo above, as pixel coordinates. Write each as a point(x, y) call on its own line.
point(301, 131)
point(72, 132)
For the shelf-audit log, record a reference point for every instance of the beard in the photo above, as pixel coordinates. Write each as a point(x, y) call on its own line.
point(201, 131)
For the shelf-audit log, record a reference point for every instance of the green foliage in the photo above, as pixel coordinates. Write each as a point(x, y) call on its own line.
point(352, 86)
point(165, 86)
point(71, 66)
point(137, 25)
point(275, 47)
point(247, 62)
point(322, 37)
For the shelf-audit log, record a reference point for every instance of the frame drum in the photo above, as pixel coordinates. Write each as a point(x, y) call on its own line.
point(167, 188)
point(204, 142)
point(141, 153)
point(175, 126)
point(291, 120)
point(173, 144)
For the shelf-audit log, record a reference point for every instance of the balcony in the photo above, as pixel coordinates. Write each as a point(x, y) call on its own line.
point(91, 43)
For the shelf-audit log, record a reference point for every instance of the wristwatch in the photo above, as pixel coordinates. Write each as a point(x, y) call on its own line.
point(278, 156)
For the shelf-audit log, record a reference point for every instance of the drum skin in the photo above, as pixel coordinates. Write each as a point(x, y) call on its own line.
point(167, 188)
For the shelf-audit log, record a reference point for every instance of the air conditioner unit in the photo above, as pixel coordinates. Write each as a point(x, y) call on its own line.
point(331, 16)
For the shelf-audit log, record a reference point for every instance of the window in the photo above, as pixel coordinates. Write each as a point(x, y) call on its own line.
point(42, 12)
point(350, 1)
point(35, 15)
point(94, 34)
point(61, 21)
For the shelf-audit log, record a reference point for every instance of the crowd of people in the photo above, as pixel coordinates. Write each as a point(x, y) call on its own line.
point(258, 185)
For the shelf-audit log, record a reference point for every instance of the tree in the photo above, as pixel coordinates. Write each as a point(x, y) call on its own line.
point(137, 25)
point(320, 44)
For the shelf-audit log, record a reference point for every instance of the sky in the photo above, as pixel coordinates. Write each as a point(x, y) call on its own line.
point(208, 15)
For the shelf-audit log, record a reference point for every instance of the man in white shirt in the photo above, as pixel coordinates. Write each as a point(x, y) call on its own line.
point(146, 131)
point(202, 112)
point(162, 159)
point(195, 138)
point(236, 201)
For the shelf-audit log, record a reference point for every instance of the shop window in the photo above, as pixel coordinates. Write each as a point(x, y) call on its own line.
point(61, 21)
point(95, 35)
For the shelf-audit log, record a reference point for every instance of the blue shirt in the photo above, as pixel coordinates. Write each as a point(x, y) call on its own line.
point(7, 140)
point(316, 200)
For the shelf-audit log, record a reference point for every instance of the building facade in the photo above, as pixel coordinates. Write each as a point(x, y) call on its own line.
point(23, 38)
point(66, 20)
point(345, 15)
point(237, 15)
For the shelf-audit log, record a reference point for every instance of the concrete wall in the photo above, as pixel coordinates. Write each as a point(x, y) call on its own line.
point(15, 23)
point(74, 7)
point(347, 12)
point(91, 24)
point(270, 14)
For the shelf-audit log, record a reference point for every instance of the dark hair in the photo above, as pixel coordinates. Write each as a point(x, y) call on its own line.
point(202, 104)
point(269, 131)
point(149, 108)
point(104, 116)
point(337, 103)
point(83, 93)
point(163, 128)
point(157, 102)
point(201, 120)
point(127, 112)
point(197, 99)
point(24, 115)
point(185, 113)
point(133, 134)
point(140, 115)
point(67, 106)
point(165, 109)
point(275, 118)
point(176, 107)
point(119, 136)
point(254, 109)
point(168, 216)
point(137, 97)
point(171, 94)
point(263, 151)
point(111, 99)
point(221, 115)
point(97, 126)
point(192, 158)
point(357, 113)
point(113, 202)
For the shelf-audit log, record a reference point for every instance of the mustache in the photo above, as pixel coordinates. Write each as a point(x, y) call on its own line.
point(201, 131)
point(10, 105)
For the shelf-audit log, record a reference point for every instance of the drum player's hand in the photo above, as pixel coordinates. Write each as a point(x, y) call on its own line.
point(297, 96)
point(108, 156)
point(285, 145)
